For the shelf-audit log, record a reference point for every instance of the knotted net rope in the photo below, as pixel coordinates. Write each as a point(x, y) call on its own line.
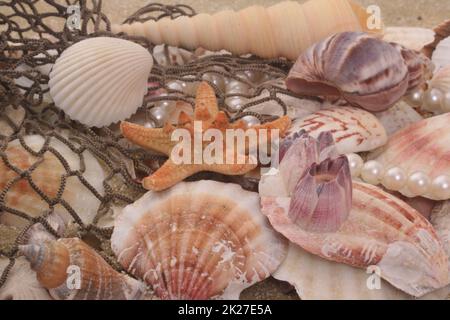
point(31, 39)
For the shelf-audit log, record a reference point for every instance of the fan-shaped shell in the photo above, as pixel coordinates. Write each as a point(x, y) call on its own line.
point(380, 231)
point(353, 129)
point(47, 176)
point(410, 37)
point(99, 81)
point(398, 117)
point(197, 240)
point(421, 147)
point(71, 270)
point(441, 55)
point(441, 79)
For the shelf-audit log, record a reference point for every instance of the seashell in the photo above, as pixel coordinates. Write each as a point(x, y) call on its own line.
point(420, 148)
point(441, 55)
point(21, 283)
point(440, 219)
point(11, 118)
point(171, 56)
point(48, 177)
point(441, 31)
point(39, 234)
point(353, 129)
point(58, 264)
point(409, 37)
point(373, 75)
point(381, 231)
point(284, 29)
point(315, 278)
point(441, 80)
point(398, 117)
point(189, 242)
point(100, 81)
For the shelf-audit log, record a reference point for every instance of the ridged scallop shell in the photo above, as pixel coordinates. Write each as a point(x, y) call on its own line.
point(21, 283)
point(440, 219)
point(353, 129)
point(380, 231)
point(420, 147)
point(441, 55)
point(47, 176)
point(99, 81)
point(59, 263)
point(398, 117)
point(441, 79)
point(410, 37)
point(315, 278)
point(197, 240)
point(365, 71)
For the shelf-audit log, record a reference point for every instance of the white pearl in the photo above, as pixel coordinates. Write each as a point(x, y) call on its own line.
point(235, 103)
point(216, 79)
point(177, 85)
point(394, 179)
point(160, 112)
point(433, 100)
point(440, 187)
point(372, 172)
point(251, 121)
point(150, 124)
point(415, 98)
point(236, 87)
point(446, 102)
point(355, 163)
point(418, 183)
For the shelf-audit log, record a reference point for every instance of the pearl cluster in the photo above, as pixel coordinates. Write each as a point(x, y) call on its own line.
point(395, 178)
point(433, 100)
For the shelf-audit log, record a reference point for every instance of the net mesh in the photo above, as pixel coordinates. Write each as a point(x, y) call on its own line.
point(31, 41)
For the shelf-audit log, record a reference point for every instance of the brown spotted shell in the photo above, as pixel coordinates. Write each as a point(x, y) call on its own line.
point(56, 263)
point(365, 71)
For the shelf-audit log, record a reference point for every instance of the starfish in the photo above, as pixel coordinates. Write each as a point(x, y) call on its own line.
point(207, 111)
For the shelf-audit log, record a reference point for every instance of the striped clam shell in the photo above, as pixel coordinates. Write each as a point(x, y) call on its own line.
point(381, 231)
point(421, 147)
point(353, 129)
point(197, 240)
point(365, 71)
point(99, 81)
point(72, 270)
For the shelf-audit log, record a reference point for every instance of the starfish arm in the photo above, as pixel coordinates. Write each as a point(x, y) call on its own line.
point(282, 124)
point(169, 174)
point(156, 139)
point(206, 108)
point(231, 169)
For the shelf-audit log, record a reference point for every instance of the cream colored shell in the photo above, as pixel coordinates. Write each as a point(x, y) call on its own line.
point(410, 37)
point(99, 81)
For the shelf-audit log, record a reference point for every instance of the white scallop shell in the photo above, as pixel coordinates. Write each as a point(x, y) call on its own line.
point(441, 55)
point(353, 129)
point(21, 283)
point(410, 37)
point(315, 278)
point(398, 117)
point(47, 177)
point(441, 79)
point(100, 81)
point(197, 240)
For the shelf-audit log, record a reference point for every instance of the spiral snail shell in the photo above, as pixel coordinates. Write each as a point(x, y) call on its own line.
point(365, 71)
point(53, 260)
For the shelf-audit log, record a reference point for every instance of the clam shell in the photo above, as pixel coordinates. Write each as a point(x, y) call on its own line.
point(47, 177)
point(410, 37)
point(441, 79)
point(21, 283)
point(197, 240)
point(420, 147)
point(315, 278)
point(440, 218)
point(353, 129)
point(381, 231)
point(99, 81)
point(441, 55)
point(53, 260)
point(398, 117)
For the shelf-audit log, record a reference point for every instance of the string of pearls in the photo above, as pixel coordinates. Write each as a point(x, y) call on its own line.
point(433, 100)
point(395, 178)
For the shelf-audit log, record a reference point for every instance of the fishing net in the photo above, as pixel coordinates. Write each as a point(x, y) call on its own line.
point(31, 40)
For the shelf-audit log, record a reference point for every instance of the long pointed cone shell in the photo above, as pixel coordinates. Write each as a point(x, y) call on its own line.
point(197, 240)
point(421, 147)
point(380, 231)
point(74, 271)
point(285, 29)
point(99, 81)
